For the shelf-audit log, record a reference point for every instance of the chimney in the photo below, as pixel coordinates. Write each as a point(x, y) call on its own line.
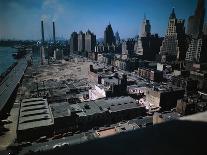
point(53, 24)
point(42, 28)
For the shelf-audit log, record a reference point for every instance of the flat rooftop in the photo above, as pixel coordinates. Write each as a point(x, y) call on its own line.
point(34, 112)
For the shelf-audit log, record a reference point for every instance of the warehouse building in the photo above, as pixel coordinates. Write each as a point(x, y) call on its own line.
point(35, 119)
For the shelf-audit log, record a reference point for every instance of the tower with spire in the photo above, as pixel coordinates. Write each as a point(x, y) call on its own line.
point(117, 37)
point(109, 37)
point(174, 45)
point(145, 27)
point(147, 46)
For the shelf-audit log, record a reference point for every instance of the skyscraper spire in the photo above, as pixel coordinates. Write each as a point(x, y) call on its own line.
point(145, 27)
point(172, 15)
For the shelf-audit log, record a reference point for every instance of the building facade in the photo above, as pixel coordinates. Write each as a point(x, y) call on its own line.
point(90, 41)
point(196, 30)
point(147, 48)
point(145, 28)
point(174, 45)
point(74, 42)
point(109, 37)
point(81, 41)
point(195, 22)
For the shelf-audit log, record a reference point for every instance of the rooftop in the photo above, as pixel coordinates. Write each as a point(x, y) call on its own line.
point(34, 112)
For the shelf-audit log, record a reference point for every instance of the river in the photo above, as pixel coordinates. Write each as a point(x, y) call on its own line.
point(6, 58)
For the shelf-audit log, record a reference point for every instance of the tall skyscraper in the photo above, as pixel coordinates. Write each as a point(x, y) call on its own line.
point(196, 30)
point(90, 41)
point(118, 40)
point(195, 22)
point(81, 41)
point(109, 37)
point(74, 42)
point(174, 45)
point(145, 28)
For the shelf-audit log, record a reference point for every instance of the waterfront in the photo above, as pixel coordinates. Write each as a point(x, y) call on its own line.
point(6, 59)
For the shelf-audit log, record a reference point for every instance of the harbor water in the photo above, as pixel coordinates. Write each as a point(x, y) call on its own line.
point(6, 58)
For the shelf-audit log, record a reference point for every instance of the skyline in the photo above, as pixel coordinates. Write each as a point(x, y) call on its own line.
point(124, 16)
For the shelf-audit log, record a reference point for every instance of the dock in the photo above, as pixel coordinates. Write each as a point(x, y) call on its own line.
point(11, 81)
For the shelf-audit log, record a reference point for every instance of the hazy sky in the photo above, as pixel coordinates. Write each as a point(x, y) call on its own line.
point(20, 19)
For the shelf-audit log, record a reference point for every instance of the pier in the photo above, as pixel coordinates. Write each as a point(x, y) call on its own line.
point(11, 81)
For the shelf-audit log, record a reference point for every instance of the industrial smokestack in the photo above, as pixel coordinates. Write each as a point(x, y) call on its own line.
point(53, 24)
point(42, 28)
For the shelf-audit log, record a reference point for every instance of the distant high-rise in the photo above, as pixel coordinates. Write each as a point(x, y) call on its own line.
point(174, 45)
point(117, 37)
point(90, 41)
point(74, 42)
point(195, 22)
point(81, 41)
point(109, 37)
point(145, 28)
point(128, 47)
point(147, 48)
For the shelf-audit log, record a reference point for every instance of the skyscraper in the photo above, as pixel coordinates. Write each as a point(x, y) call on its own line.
point(74, 42)
point(195, 22)
point(197, 50)
point(117, 37)
point(196, 30)
point(128, 47)
point(145, 28)
point(109, 37)
point(147, 46)
point(174, 45)
point(90, 41)
point(81, 41)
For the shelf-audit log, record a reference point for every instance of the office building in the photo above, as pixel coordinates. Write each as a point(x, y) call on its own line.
point(195, 22)
point(197, 50)
point(196, 30)
point(74, 42)
point(145, 28)
point(118, 39)
point(147, 48)
point(128, 47)
point(109, 37)
point(174, 45)
point(81, 41)
point(90, 41)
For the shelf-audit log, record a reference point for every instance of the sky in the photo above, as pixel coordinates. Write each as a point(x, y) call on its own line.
point(20, 19)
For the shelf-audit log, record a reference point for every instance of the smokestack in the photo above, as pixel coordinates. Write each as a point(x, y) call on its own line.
point(53, 24)
point(43, 36)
